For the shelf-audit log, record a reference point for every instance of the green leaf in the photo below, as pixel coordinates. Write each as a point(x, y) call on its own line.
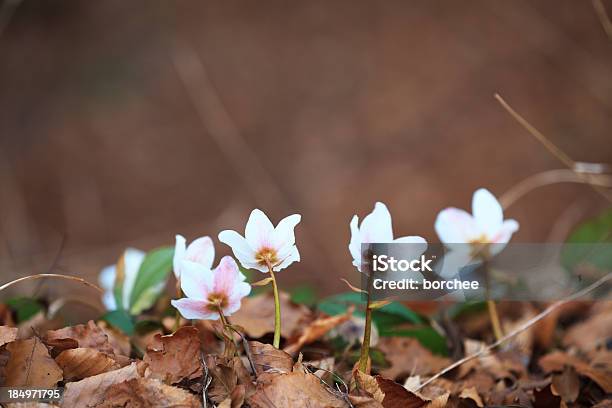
point(426, 335)
point(395, 313)
point(25, 308)
point(152, 275)
point(467, 308)
point(305, 295)
point(596, 231)
point(121, 320)
point(338, 304)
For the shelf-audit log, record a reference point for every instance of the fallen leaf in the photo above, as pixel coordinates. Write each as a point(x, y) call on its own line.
point(472, 394)
point(256, 315)
point(408, 357)
point(30, 365)
point(398, 396)
point(82, 362)
point(295, 390)
point(118, 340)
point(317, 329)
point(230, 379)
point(147, 392)
point(268, 358)
point(90, 391)
point(587, 335)
point(7, 334)
point(363, 400)
point(557, 360)
point(85, 335)
point(566, 384)
point(175, 357)
point(368, 383)
point(544, 398)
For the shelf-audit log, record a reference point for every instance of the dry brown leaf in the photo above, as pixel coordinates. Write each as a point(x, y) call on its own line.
point(295, 390)
point(175, 357)
point(398, 396)
point(472, 394)
point(147, 392)
point(587, 335)
point(367, 383)
point(544, 398)
point(256, 315)
point(439, 402)
point(557, 360)
point(230, 379)
point(7, 334)
point(118, 341)
point(566, 384)
point(317, 329)
point(86, 335)
point(268, 358)
point(408, 357)
point(90, 391)
point(30, 365)
point(82, 362)
point(363, 400)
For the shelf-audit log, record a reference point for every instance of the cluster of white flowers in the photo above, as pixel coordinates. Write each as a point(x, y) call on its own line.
point(210, 291)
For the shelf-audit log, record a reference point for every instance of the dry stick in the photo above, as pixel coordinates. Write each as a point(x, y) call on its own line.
point(600, 9)
point(550, 146)
point(51, 275)
point(520, 329)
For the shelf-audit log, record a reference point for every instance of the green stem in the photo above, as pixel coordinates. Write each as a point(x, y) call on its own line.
point(491, 306)
point(367, 334)
point(277, 310)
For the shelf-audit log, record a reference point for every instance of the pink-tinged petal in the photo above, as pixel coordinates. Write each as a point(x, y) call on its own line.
point(194, 309)
point(355, 242)
point(293, 256)
point(202, 251)
point(259, 230)
point(503, 235)
point(487, 211)
point(376, 227)
point(284, 234)
point(241, 290)
point(241, 249)
point(197, 281)
point(456, 226)
point(226, 275)
point(179, 254)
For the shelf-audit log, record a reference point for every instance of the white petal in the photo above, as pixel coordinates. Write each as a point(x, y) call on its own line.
point(197, 281)
point(453, 261)
point(194, 309)
point(179, 254)
point(503, 235)
point(241, 249)
point(133, 259)
point(108, 298)
point(376, 227)
point(487, 211)
point(107, 277)
point(456, 226)
point(294, 256)
point(355, 243)
point(259, 229)
point(226, 276)
point(417, 246)
point(284, 234)
point(202, 251)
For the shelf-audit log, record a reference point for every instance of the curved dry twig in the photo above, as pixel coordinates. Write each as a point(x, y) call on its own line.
point(51, 275)
point(519, 329)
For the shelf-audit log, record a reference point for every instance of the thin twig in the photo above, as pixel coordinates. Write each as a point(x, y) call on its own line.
point(550, 146)
point(519, 329)
point(602, 14)
point(51, 275)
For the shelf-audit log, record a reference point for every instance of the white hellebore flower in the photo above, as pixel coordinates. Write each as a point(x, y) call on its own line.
point(211, 291)
point(201, 251)
point(264, 245)
point(376, 228)
point(486, 224)
point(132, 259)
point(485, 230)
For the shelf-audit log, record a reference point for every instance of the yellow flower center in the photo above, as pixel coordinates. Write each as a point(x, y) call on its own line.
point(266, 256)
point(216, 302)
point(480, 247)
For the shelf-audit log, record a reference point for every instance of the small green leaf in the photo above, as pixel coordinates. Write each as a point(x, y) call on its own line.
point(338, 304)
point(396, 312)
point(426, 335)
point(305, 295)
point(596, 231)
point(121, 320)
point(152, 274)
point(25, 308)
point(467, 308)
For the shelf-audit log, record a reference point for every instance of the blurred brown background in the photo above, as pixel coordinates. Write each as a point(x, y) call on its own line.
point(123, 123)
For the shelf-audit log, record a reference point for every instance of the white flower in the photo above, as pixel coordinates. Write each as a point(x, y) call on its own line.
point(200, 251)
point(485, 225)
point(130, 261)
point(209, 292)
point(263, 245)
point(376, 228)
